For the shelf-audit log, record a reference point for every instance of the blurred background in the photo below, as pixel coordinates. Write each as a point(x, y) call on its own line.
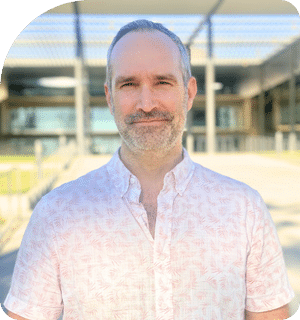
point(245, 122)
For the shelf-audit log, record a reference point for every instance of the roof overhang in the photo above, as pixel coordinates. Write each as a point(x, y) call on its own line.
point(178, 7)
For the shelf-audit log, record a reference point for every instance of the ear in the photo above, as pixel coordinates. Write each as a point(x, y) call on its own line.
point(108, 98)
point(192, 91)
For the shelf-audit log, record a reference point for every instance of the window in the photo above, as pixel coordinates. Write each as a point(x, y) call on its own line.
point(226, 117)
point(43, 119)
point(102, 120)
point(25, 86)
point(199, 117)
point(285, 114)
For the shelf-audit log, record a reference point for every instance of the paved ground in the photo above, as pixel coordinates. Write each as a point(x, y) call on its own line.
point(278, 182)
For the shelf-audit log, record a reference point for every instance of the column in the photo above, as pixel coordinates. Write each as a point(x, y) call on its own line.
point(247, 115)
point(210, 113)
point(248, 125)
point(81, 89)
point(277, 120)
point(276, 108)
point(81, 106)
point(189, 135)
point(292, 102)
point(261, 105)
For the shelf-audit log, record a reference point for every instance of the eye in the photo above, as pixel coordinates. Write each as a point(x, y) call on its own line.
point(128, 84)
point(162, 82)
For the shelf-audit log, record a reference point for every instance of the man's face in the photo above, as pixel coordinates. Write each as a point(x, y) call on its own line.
point(148, 98)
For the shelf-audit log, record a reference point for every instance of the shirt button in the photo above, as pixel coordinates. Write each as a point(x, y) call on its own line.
point(132, 180)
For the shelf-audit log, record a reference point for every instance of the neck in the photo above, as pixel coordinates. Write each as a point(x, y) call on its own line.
point(150, 167)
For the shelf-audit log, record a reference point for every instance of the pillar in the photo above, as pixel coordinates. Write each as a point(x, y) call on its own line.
point(276, 107)
point(210, 113)
point(81, 106)
point(248, 115)
point(292, 102)
point(261, 105)
point(189, 134)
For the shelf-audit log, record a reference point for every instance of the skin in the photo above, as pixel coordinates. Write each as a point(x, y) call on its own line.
point(149, 102)
point(277, 314)
point(147, 82)
point(150, 106)
point(15, 316)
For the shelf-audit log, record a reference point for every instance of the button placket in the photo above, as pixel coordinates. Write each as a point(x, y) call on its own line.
point(136, 208)
point(162, 252)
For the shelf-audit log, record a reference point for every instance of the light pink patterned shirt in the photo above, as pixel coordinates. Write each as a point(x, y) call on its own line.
point(88, 251)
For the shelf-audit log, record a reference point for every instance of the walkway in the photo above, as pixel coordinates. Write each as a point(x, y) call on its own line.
point(278, 182)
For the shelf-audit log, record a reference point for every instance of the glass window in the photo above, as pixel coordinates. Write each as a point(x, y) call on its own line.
point(43, 119)
point(226, 117)
point(285, 114)
point(51, 119)
point(21, 86)
point(25, 146)
point(102, 120)
point(199, 117)
point(96, 87)
point(297, 113)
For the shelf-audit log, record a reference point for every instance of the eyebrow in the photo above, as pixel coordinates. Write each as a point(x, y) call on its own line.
point(122, 79)
point(168, 76)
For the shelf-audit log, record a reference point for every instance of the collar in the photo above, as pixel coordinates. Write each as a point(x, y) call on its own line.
point(122, 177)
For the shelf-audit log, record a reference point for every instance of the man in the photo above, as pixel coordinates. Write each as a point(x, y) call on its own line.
point(151, 235)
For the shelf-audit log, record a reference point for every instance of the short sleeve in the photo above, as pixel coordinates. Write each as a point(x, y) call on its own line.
point(35, 289)
point(267, 282)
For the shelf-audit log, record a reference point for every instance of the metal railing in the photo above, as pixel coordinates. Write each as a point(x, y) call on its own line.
point(59, 162)
point(17, 206)
point(243, 143)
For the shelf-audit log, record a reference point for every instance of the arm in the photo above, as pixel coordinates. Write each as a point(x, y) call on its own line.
point(15, 316)
point(267, 284)
point(277, 314)
point(37, 262)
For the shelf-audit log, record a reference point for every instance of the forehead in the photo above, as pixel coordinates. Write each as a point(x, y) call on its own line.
point(145, 50)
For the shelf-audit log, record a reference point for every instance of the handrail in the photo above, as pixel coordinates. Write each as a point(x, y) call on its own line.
point(64, 156)
point(58, 162)
point(28, 200)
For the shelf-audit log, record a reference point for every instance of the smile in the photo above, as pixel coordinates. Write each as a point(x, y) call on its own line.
point(150, 122)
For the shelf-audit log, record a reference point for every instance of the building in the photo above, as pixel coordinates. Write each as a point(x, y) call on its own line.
point(256, 61)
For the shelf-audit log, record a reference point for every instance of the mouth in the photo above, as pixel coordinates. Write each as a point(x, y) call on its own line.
point(150, 122)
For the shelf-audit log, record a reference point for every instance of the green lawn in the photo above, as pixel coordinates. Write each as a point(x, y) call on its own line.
point(19, 180)
point(2, 221)
point(29, 159)
point(23, 180)
point(18, 158)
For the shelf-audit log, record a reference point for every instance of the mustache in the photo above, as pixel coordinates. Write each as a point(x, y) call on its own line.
point(152, 115)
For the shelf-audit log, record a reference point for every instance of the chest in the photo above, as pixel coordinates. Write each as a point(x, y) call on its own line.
point(149, 202)
point(111, 267)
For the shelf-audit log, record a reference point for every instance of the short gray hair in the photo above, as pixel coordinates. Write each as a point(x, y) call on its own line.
point(146, 25)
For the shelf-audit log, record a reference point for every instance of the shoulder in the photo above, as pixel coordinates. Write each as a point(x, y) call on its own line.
point(95, 181)
point(229, 195)
point(221, 183)
point(75, 197)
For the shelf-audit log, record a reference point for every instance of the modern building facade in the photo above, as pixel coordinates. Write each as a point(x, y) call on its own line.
point(257, 83)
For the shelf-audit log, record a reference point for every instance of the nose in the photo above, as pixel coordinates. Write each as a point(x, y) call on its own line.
point(146, 99)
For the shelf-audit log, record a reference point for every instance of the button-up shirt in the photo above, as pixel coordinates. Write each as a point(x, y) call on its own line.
point(88, 251)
